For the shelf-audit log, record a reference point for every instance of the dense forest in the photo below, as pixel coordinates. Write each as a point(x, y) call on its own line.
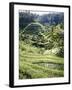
point(41, 45)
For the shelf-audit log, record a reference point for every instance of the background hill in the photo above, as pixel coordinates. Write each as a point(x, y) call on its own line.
point(47, 19)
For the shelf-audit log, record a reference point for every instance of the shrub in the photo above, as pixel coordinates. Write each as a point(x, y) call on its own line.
point(61, 52)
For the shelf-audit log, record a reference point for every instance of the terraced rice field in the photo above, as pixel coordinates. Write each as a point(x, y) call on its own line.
point(33, 65)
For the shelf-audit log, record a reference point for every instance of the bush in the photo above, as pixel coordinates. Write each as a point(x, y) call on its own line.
point(61, 52)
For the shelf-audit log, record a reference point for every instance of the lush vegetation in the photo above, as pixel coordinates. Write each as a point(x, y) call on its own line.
point(41, 45)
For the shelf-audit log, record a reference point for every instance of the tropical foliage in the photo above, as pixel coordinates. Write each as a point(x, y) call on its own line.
point(41, 45)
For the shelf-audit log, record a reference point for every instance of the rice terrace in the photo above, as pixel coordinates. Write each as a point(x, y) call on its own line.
point(41, 44)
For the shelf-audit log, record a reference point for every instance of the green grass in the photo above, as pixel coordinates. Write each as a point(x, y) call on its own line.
point(32, 63)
